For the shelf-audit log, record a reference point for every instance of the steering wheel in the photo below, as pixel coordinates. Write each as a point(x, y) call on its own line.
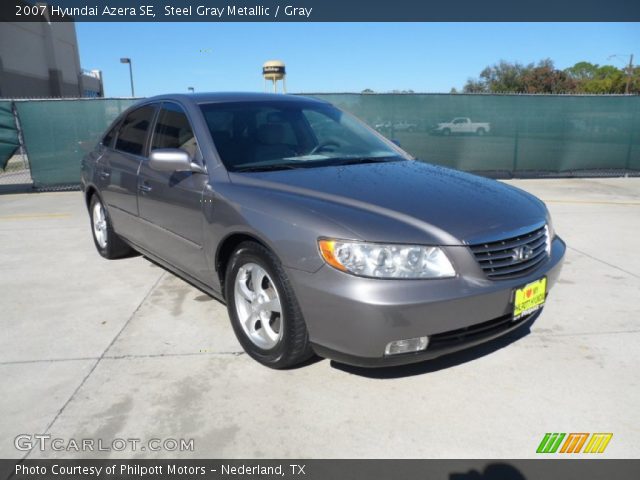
point(323, 145)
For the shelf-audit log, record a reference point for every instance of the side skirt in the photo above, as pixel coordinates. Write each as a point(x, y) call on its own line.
point(180, 273)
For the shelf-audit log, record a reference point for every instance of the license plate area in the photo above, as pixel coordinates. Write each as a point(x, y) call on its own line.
point(529, 298)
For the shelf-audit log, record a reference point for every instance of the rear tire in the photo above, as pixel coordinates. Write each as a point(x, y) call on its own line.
point(107, 242)
point(263, 309)
point(481, 132)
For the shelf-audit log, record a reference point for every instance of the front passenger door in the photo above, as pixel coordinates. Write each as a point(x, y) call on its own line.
point(170, 203)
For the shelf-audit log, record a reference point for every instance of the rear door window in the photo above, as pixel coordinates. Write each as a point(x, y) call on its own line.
point(133, 130)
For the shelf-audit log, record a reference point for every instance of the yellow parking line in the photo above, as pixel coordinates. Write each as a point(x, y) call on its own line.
point(31, 216)
point(590, 202)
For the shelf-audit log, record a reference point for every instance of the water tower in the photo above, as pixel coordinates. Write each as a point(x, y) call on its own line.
point(274, 70)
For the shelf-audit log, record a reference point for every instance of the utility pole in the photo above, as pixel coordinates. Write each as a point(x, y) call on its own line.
point(629, 74)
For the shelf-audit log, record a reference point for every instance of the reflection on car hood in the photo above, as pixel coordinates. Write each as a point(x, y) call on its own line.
point(467, 207)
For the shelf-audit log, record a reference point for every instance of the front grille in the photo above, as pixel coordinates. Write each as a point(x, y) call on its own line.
point(513, 257)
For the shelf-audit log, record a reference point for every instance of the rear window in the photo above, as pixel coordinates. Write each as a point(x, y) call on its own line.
point(134, 129)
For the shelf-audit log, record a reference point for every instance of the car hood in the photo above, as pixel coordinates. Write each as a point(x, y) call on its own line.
point(450, 206)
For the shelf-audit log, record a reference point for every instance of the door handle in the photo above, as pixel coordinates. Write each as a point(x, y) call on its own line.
point(144, 188)
point(104, 175)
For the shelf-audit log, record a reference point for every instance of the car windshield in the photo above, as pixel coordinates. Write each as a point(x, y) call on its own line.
point(273, 135)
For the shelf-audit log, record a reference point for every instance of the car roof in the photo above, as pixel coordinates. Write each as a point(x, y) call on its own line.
point(223, 97)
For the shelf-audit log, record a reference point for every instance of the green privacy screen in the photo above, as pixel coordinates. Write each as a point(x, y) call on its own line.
point(8, 134)
point(516, 134)
point(58, 133)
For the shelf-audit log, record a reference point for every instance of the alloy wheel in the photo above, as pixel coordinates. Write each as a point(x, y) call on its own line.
point(258, 306)
point(100, 225)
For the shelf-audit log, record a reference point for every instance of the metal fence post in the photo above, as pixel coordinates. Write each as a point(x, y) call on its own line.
point(515, 148)
point(634, 120)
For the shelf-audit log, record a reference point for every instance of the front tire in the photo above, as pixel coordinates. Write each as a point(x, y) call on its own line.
point(107, 242)
point(264, 312)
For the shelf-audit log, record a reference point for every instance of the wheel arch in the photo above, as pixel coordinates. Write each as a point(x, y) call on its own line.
point(225, 249)
point(90, 191)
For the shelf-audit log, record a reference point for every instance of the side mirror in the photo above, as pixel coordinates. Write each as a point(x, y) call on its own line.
point(396, 142)
point(173, 160)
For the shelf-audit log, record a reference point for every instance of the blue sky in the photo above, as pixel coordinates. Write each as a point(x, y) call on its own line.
point(335, 57)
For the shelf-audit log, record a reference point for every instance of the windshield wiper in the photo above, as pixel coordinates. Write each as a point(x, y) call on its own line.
point(358, 160)
point(267, 168)
point(311, 164)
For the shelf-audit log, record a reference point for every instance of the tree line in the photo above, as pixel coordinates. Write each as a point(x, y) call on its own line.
point(544, 77)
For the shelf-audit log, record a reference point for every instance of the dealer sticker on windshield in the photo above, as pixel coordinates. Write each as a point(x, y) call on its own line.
point(529, 298)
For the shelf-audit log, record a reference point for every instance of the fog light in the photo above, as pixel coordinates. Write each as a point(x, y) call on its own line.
point(405, 346)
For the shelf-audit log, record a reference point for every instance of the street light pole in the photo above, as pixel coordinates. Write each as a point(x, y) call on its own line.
point(128, 60)
point(629, 74)
point(629, 69)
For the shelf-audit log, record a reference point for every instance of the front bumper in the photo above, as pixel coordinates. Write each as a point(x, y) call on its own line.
point(351, 319)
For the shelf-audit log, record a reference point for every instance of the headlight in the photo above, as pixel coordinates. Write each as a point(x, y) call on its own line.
point(550, 229)
point(550, 234)
point(386, 260)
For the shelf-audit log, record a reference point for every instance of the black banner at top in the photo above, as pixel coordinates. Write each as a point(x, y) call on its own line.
point(320, 10)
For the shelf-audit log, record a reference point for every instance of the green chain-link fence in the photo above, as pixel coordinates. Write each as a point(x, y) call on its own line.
point(514, 134)
point(58, 133)
point(14, 167)
point(8, 133)
point(517, 135)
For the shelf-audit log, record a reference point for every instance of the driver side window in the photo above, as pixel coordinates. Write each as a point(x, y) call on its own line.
point(173, 130)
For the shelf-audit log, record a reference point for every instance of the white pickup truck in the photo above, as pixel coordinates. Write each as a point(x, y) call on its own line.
point(462, 125)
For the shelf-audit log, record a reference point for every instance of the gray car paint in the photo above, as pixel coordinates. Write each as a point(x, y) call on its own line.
point(186, 217)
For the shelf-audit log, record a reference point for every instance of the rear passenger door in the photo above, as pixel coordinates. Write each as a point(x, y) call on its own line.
point(117, 170)
point(170, 203)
